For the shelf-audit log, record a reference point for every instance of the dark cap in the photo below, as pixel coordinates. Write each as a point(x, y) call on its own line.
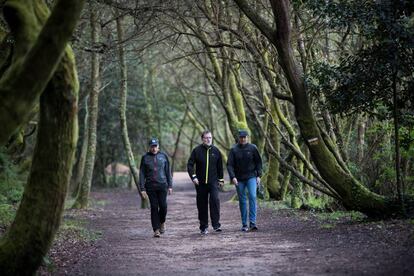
point(243, 133)
point(153, 142)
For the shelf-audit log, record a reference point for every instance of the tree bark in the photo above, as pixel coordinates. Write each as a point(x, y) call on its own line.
point(177, 141)
point(80, 168)
point(361, 139)
point(273, 185)
point(83, 196)
point(29, 237)
point(122, 108)
point(25, 80)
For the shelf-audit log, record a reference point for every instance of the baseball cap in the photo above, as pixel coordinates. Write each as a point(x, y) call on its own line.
point(153, 142)
point(243, 133)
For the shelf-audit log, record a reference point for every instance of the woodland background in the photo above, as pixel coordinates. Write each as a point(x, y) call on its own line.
point(324, 87)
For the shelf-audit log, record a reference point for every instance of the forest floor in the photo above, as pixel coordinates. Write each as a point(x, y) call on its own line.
point(289, 242)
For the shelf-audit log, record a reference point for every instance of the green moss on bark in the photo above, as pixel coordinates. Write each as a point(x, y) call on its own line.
point(29, 237)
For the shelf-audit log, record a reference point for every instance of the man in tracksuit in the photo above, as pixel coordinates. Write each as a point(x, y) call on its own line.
point(207, 177)
point(244, 165)
point(155, 180)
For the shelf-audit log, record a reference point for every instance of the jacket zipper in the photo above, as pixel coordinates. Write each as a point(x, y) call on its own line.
point(155, 169)
point(208, 151)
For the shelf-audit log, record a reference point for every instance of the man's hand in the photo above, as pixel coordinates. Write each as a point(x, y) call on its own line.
point(170, 191)
point(195, 181)
point(144, 195)
point(221, 184)
point(258, 180)
point(235, 182)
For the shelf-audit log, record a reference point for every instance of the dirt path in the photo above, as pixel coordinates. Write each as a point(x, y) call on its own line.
point(287, 243)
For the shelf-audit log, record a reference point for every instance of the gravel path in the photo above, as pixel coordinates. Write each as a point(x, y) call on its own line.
point(287, 243)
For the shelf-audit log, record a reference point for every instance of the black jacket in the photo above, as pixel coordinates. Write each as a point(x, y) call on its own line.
point(244, 162)
point(213, 165)
point(154, 172)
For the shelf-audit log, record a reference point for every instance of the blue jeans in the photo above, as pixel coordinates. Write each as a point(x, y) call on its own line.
point(251, 186)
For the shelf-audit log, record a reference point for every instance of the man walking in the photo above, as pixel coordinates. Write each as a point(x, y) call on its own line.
point(244, 165)
point(155, 180)
point(207, 177)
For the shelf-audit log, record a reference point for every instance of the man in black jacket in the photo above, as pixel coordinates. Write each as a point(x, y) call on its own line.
point(207, 177)
point(154, 180)
point(244, 165)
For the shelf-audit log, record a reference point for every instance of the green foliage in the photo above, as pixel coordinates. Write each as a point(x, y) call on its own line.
point(117, 181)
point(78, 229)
point(318, 202)
point(11, 181)
point(364, 80)
point(340, 215)
point(275, 205)
point(377, 169)
point(327, 226)
point(407, 140)
point(7, 213)
point(375, 60)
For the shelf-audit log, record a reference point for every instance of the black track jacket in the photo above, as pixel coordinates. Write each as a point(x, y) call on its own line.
point(208, 162)
point(154, 172)
point(244, 162)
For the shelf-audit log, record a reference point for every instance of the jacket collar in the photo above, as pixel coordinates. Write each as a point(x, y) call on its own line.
point(207, 147)
point(242, 145)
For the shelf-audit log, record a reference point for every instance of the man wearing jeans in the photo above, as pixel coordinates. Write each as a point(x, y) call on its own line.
point(244, 165)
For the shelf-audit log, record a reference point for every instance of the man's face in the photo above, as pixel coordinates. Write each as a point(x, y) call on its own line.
point(242, 140)
point(154, 149)
point(207, 139)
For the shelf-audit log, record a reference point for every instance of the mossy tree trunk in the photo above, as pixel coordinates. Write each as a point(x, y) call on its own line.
point(296, 199)
point(22, 83)
point(122, 108)
point(30, 236)
point(353, 194)
point(80, 166)
point(273, 184)
point(82, 198)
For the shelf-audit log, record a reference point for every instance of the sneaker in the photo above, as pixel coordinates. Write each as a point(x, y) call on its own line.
point(253, 227)
point(218, 229)
point(162, 228)
point(244, 228)
point(204, 232)
point(157, 233)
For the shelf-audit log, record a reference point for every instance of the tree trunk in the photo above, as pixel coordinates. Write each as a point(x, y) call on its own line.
point(122, 108)
point(151, 130)
point(353, 194)
point(103, 157)
point(83, 195)
point(80, 168)
point(361, 139)
point(285, 185)
point(38, 218)
point(25, 80)
point(400, 192)
point(273, 185)
point(296, 199)
point(177, 141)
point(30, 236)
